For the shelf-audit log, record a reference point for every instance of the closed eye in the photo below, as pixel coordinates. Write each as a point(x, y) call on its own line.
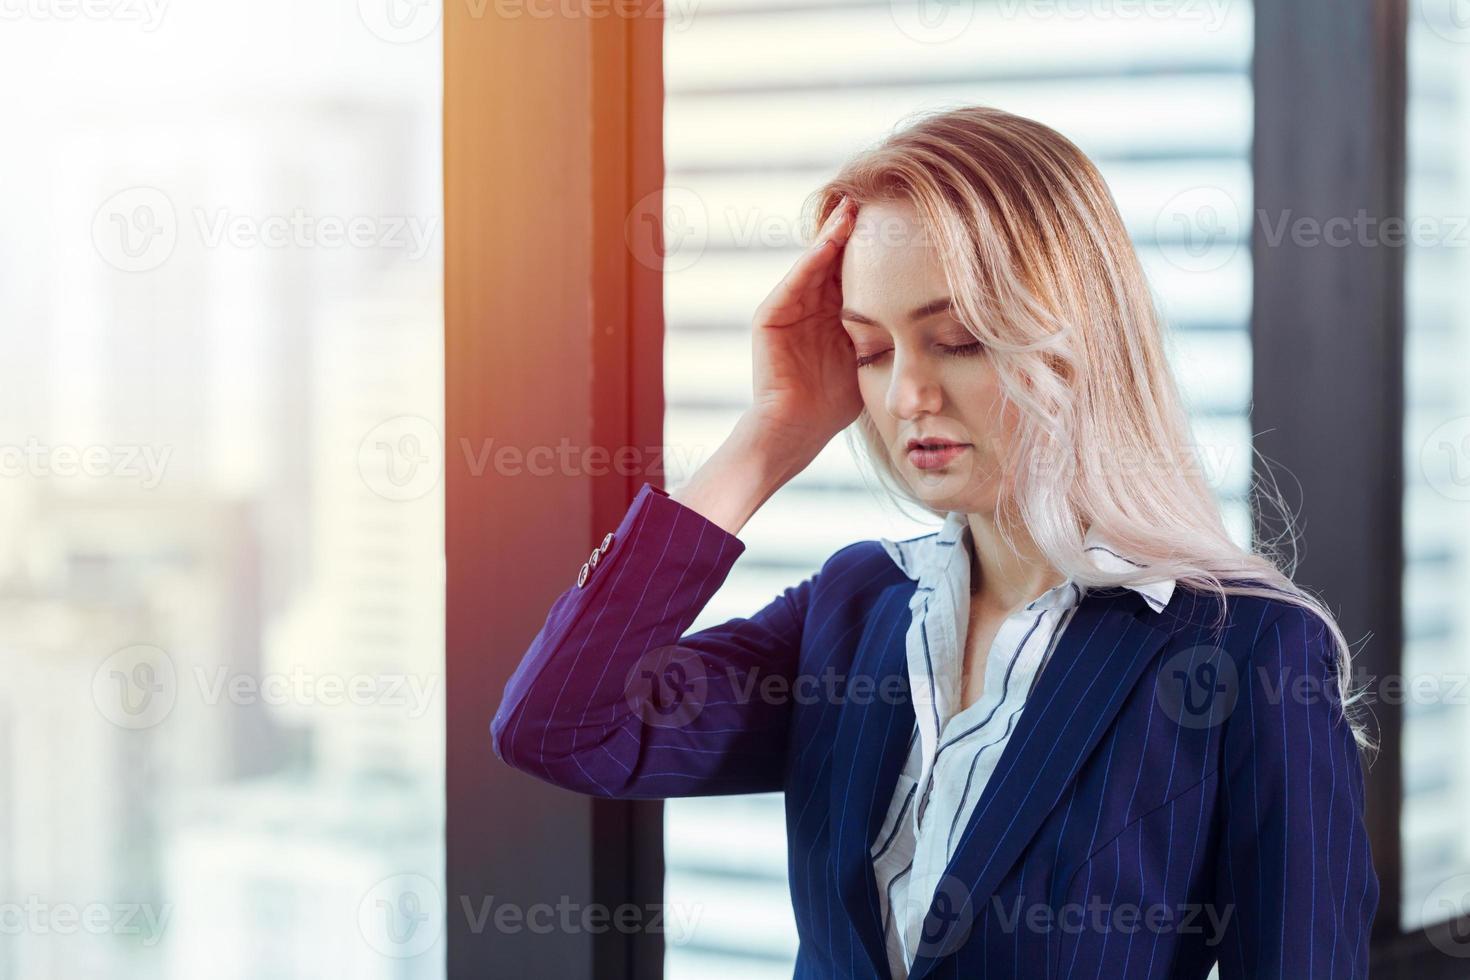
point(955, 350)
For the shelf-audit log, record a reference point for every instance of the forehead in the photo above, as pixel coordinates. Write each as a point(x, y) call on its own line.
point(889, 258)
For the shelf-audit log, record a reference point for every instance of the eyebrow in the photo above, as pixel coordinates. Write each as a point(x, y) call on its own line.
point(929, 309)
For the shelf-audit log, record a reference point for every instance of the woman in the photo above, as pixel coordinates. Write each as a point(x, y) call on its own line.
point(1183, 785)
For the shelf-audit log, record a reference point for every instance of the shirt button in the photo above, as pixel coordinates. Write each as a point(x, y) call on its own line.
point(582, 575)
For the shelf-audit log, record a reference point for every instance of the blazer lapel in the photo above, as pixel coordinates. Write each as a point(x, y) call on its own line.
point(1098, 660)
point(875, 721)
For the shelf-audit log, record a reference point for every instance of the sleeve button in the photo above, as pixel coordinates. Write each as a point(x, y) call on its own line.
point(582, 575)
point(592, 560)
point(607, 543)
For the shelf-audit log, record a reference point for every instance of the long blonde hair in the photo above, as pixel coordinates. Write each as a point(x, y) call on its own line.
point(1041, 270)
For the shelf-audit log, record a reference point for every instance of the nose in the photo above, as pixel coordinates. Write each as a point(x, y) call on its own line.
point(912, 389)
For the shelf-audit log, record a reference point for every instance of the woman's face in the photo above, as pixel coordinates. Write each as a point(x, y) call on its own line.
point(924, 378)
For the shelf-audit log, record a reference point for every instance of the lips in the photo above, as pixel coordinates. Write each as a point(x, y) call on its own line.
point(932, 444)
point(930, 453)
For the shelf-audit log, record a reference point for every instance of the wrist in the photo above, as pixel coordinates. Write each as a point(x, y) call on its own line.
point(764, 452)
point(742, 474)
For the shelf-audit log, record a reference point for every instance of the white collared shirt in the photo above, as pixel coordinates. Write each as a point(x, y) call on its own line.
point(951, 752)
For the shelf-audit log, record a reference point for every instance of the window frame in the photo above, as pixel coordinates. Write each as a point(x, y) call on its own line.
point(552, 303)
point(1330, 93)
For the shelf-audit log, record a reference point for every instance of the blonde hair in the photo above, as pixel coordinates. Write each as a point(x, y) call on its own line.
point(1041, 270)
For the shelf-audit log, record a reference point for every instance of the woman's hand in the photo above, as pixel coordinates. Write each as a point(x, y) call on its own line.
point(806, 388)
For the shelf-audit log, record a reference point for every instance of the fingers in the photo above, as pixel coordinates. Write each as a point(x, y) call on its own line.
point(815, 260)
point(838, 224)
point(813, 267)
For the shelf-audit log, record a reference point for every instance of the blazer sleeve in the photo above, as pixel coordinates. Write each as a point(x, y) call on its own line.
point(1295, 871)
point(612, 698)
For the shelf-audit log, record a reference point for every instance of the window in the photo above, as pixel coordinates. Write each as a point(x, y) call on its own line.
point(763, 102)
point(221, 545)
point(1436, 724)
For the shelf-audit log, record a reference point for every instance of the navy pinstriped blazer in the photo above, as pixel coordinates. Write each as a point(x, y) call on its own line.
point(1172, 795)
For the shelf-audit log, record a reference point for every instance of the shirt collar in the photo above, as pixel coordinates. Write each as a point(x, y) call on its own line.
point(1110, 558)
point(927, 558)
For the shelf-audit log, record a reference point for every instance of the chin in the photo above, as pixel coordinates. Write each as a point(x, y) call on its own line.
point(949, 490)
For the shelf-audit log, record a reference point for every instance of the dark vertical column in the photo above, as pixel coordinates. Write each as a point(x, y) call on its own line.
point(627, 331)
point(552, 138)
point(1327, 329)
